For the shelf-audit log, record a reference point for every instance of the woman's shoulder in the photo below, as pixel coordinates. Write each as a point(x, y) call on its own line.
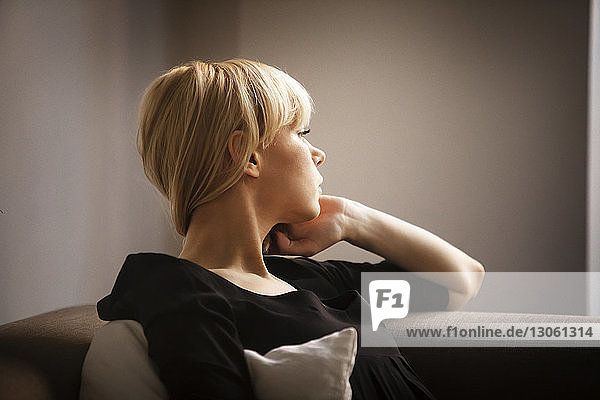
point(146, 270)
point(303, 267)
point(155, 282)
point(317, 276)
point(294, 267)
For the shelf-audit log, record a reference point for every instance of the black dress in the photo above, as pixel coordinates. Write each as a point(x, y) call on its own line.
point(197, 323)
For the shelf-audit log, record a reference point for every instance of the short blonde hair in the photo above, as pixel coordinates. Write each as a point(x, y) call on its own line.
point(188, 115)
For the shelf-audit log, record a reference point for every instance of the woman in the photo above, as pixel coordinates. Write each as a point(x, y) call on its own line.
point(226, 144)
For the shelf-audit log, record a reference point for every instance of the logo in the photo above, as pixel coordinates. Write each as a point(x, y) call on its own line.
point(389, 299)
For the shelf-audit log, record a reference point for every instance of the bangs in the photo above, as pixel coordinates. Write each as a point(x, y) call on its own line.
point(269, 99)
point(298, 108)
point(284, 102)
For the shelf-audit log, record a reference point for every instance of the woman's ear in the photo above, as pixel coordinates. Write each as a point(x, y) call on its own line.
point(234, 145)
point(252, 167)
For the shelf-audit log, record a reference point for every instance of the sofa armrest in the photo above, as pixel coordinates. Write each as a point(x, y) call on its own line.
point(501, 372)
point(41, 357)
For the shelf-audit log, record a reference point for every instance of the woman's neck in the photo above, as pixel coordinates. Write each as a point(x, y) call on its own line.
point(227, 233)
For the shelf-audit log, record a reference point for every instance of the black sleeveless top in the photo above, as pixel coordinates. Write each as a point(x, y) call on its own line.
point(198, 323)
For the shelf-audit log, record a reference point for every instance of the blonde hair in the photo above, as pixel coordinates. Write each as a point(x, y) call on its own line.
point(188, 115)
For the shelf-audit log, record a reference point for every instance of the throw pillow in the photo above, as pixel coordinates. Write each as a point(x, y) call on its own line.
point(117, 366)
point(318, 370)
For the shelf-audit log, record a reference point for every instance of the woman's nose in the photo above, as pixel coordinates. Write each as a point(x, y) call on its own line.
point(318, 156)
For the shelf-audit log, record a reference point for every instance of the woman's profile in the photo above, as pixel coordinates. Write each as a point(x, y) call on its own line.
point(226, 144)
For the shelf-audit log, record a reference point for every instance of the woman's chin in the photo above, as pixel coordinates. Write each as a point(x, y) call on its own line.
point(307, 214)
point(317, 210)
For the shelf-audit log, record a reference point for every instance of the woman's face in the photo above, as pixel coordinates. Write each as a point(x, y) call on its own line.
point(290, 182)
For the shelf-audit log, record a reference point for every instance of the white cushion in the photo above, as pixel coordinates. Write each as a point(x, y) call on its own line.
point(117, 366)
point(319, 369)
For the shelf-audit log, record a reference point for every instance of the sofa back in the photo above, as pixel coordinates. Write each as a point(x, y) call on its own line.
point(41, 357)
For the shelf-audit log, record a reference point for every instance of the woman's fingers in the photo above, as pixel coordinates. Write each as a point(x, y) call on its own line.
point(289, 246)
point(282, 241)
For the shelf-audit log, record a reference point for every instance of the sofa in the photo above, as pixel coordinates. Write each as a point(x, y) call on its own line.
point(41, 358)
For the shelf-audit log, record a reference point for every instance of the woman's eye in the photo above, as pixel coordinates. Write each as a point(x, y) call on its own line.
point(304, 132)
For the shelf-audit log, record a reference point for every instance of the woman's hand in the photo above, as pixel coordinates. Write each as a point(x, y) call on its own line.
point(311, 237)
point(398, 241)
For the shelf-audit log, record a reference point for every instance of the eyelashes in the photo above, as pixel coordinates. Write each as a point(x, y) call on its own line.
point(304, 132)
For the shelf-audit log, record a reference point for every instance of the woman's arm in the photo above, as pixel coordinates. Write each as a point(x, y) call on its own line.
point(398, 241)
point(415, 249)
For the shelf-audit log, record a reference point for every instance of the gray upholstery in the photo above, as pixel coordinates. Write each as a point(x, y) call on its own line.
point(502, 372)
point(41, 358)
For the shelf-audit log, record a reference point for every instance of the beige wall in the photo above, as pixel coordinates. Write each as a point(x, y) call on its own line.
point(465, 118)
point(593, 239)
point(74, 195)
